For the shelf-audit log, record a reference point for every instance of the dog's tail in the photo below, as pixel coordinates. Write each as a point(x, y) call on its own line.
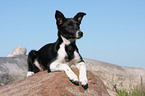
point(32, 56)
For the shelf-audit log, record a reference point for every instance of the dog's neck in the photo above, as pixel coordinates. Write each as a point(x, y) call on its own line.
point(62, 39)
point(67, 41)
point(68, 45)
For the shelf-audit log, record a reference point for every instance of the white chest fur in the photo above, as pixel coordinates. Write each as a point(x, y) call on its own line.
point(62, 54)
point(63, 64)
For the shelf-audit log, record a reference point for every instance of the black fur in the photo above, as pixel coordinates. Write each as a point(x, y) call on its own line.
point(67, 28)
point(70, 50)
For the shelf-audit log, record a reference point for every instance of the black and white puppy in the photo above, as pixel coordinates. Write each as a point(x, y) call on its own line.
point(59, 56)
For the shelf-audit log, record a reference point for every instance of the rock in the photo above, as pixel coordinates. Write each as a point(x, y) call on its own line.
point(112, 93)
point(18, 51)
point(12, 69)
point(15, 68)
point(54, 84)
point(114, 75)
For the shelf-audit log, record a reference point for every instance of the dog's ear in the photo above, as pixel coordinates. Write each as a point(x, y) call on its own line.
point(60, 19)
point(79, 16)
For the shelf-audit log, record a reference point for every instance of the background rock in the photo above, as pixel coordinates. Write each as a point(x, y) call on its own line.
point(15, 68)
point(12, 69)
point(18, 51)
point(54, 84)
point(122, 77)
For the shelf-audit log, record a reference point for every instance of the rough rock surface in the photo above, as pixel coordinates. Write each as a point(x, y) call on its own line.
point(122, 77)
point(15, 69)
point(54, 84)
point(18, 51)
point(12, 69)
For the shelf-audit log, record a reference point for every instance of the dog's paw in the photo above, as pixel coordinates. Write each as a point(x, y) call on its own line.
point(29, 73)
point(74, 79)
point(75, 82)
point(84, 83)
point(85, 86)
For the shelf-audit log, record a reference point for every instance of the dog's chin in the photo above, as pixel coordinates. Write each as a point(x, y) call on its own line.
point(74, 38)
point(78, 37)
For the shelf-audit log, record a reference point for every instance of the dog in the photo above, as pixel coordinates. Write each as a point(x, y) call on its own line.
point(59, 56)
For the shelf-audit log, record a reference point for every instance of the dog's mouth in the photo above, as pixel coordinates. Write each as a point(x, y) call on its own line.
point(72, 35)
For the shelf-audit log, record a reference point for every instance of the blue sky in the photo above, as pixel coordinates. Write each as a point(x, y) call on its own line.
point(114, 30)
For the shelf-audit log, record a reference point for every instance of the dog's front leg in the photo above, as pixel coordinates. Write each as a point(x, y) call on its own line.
point(83, 74)
point(64, 67)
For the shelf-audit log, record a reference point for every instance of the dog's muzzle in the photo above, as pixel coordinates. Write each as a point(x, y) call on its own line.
point(79, 34)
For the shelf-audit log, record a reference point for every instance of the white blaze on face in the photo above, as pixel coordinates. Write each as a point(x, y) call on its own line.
point(77, 34)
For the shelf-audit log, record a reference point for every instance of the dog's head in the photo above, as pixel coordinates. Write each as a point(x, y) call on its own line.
point(69, 27)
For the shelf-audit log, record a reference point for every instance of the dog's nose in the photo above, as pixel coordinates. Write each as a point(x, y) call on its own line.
point(80, 33)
